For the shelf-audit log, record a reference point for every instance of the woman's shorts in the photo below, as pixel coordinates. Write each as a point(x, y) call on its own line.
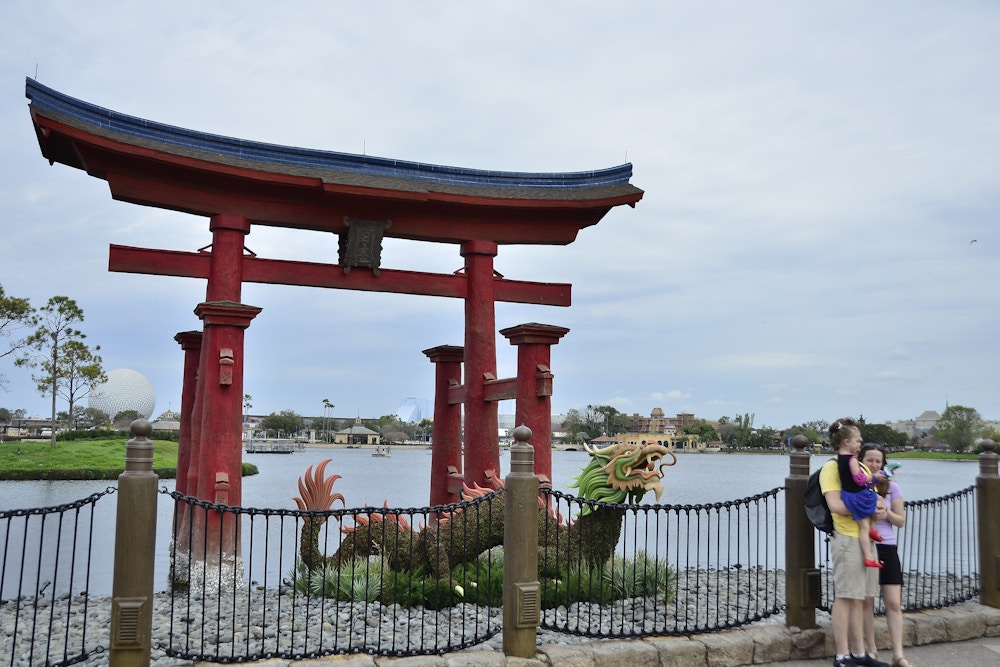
point(891, 572)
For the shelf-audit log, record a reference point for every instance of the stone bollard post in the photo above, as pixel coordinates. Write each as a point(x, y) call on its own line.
point(135, 552)
point(987, 510)
point(521, 590)
point(801, 576)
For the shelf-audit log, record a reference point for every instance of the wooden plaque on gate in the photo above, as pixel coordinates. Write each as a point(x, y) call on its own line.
point(364, 244)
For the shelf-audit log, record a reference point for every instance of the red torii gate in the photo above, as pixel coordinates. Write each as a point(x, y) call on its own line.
point(238, 184)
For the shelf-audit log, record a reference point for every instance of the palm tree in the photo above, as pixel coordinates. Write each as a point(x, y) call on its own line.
point(327, 408)
point(247, 404)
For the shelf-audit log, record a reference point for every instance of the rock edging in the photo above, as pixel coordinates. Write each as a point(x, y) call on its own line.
point(753, 645)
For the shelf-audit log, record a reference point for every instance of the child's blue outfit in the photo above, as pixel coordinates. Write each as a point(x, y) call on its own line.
point(858, 491)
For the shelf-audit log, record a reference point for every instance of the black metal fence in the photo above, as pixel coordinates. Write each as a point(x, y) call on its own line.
point(675, 569)
point(45, 612)
point(313, 583)
point(429, 580)
point(937, 552)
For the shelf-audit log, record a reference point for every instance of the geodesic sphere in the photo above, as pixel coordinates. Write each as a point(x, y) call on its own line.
point(124, 389)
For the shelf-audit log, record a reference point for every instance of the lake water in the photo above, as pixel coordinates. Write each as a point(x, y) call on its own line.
point(402, 481)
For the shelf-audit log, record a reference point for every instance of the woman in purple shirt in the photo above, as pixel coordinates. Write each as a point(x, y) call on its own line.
point(890, 515)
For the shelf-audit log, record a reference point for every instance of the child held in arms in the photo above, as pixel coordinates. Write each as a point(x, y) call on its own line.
point(858, 484)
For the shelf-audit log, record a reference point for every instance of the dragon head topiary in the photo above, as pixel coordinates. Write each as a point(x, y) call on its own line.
point(623, 473)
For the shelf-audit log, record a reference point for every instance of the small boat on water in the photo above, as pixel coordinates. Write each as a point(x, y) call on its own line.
point(269, 448)
point(381, 451)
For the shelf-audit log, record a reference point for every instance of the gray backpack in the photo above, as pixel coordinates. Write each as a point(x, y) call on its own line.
point(816, 507)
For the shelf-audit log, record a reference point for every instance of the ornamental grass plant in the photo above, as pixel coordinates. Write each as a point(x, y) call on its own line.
point(481, 582)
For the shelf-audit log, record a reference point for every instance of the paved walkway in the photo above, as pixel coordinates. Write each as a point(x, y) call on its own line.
point(968, 634)
point(977, 652)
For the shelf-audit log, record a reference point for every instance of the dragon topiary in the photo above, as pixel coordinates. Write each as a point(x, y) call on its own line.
point(615, 475)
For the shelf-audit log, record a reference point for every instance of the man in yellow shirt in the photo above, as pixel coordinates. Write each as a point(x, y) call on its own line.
point(852, 581)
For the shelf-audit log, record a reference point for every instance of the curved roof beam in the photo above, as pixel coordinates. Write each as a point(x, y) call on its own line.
point(155, 164)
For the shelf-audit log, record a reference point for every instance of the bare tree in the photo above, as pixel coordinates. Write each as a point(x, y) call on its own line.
point(80, 369)
point(15, 315)
point(50, 340)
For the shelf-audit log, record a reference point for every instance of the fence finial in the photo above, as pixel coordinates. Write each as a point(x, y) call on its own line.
point(988, 458)
point(522, 455)
point(139, 450)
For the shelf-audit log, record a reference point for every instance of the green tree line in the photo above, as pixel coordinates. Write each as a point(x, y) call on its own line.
point(46, 339)
point(959, 429)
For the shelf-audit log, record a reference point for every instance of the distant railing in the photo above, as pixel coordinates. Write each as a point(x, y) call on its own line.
point(45, 614)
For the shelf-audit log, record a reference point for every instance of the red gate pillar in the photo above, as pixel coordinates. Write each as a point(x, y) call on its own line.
point(220, 374)
point(225, 276)
point(446, 441)
point(220, 467)
point(220, 397)
point(482, 443)
point(190, 342)
point(221, 379)
point(534, 387)
point(187, 455)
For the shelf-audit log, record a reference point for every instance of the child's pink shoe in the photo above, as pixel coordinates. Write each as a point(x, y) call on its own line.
point(872, 533)
point(873, 563)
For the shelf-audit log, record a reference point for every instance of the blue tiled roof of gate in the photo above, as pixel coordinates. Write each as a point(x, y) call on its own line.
point(43, 97)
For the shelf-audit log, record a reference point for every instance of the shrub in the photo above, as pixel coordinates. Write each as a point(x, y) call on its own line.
point(482, 582)
point(360, 580)
point(643, 576)
point(578, 584)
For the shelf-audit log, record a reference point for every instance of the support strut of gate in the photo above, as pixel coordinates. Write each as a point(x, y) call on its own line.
point(534, 387)
point(482, 448)
point(187, 454)
point(446, 450)
point(532, 390)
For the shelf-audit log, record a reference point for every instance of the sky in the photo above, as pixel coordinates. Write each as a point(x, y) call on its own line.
point(818, 236)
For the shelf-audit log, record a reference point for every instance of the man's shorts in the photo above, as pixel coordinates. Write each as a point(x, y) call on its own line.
point(851, 579)
point(872, 581)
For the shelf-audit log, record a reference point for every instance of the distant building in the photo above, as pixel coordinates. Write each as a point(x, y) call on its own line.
point(657, 421)
point(357, 434)
point(168, 421)
point(123, 389)
point(28, 427)
point(506, 422)
point(662, 430)
point(925, 424)
point(414, 410)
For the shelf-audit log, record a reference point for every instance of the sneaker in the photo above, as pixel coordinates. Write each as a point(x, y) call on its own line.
point(844, 662)
point(869, 661)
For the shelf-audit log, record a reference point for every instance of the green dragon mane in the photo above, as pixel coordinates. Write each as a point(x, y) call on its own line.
point(622, 473)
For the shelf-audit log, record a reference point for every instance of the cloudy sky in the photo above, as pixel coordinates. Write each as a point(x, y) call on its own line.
point(818, 236)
